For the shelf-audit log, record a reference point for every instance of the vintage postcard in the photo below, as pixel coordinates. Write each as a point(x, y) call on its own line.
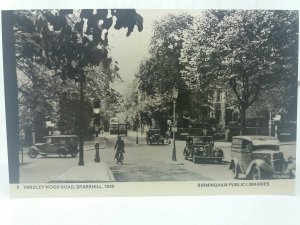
point(133, 102)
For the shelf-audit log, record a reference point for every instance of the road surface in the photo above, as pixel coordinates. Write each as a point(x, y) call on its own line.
point(142, 163)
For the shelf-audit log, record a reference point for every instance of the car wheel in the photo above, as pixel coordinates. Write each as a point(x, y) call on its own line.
point(194, 159)
point(256, 173)
point(163, 142)
point(62, 151)
point(219, 161)
point(186, 156)
point(33, 153)
point(236, 172)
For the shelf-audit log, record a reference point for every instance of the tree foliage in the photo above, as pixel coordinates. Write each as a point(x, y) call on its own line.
point(74, 39)
point(57, 48)
point(248, 50)
point(159, 73)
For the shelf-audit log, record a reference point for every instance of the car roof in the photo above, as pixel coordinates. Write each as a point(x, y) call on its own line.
point(61, 136)
point(198, 136)
point(255, 137)
point(259, 139)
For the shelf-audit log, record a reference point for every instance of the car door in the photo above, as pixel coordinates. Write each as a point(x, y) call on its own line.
point(246, 154)
point(54, 145)
point(236, 151)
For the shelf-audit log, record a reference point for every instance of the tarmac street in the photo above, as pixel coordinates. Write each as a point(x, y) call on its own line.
point(142, 163)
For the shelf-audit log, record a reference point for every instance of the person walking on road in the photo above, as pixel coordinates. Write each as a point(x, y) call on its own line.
point(119, 146)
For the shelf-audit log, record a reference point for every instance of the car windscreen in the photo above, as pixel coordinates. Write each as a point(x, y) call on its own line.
point(266, 147)
point(201, 140)
point(122, 127)
point(155, 132)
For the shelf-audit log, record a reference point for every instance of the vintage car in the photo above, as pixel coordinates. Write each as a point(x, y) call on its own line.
point(201, 148)
point(154, 136)
point(259, 157)
point(61, 145)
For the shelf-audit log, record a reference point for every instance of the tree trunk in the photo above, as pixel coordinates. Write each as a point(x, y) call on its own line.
point(243, 120)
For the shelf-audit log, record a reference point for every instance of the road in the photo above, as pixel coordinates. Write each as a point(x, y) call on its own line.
point(142, 163)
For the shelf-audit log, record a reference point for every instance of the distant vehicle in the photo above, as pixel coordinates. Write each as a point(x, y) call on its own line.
point(259, 158)
point(154, 136)
point(61, 145)
point(287, 131)
point(113, 125)
point(201, 148)
point(122, 129)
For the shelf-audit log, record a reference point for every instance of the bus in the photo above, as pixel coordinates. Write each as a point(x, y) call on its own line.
point(115, 127)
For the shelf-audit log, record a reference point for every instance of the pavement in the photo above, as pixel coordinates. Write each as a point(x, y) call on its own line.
point(91, 172)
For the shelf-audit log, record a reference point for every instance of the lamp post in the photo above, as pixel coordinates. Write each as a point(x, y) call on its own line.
point(81, 144)
point(137, 130)
point(175, 95)
point(137, 135)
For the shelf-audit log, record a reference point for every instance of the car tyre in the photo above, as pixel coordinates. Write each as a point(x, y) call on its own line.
point(219, 161)
point(236, 172)
point(186, 156)
point(256, 173)
point(194, 159)
point(33, 153)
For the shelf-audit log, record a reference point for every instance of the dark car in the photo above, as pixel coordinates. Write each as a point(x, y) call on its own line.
point(201, 148)
point(154, 136)
point(61, 145)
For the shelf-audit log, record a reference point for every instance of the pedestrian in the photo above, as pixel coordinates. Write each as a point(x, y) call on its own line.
point(119, 146)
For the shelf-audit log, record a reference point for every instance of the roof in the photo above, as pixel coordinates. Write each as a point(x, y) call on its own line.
point(60, 136)
point(190, 136)
point(255, 137)
point(259, 140)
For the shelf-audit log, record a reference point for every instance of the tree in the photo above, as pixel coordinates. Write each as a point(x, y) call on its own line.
point(69, 41)
point(198, 60)
point(44, 97)
point(161, 71)
point(250, 51)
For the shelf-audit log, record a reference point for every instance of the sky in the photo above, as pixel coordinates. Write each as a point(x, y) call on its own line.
point(129, 51)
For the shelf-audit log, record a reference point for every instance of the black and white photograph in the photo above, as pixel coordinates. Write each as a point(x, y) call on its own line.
point(203, 101)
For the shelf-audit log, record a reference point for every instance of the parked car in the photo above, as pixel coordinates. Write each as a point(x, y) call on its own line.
point(201, 148)
point(259, 157)
point(61, 145)
point(154, 136)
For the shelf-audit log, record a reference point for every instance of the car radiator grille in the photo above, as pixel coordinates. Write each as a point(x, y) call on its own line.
point(278, 161)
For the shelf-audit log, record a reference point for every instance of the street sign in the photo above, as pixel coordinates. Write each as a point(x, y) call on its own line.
point(174, 129)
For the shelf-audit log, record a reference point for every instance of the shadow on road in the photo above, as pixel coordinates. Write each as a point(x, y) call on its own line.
point(211, 162)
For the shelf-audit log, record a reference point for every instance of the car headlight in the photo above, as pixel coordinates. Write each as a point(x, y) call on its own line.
point(216, 153)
